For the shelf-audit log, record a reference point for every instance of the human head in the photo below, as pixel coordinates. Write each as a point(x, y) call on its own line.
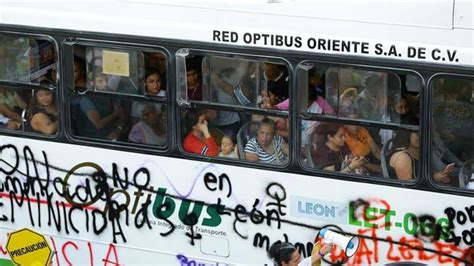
point(405, 139)
point(227, 145)
point(275, 93)
point(284, 254)
point(400, 105)
point(192, 73)
point(79, 70)
point(331, 132)
point(157, 61)
point(100, 82)
point(152, 82)
point(43, 97)
point(193, 117)
point(265, 131)
point(150, 114)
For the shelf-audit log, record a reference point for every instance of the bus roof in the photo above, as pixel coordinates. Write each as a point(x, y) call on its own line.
point(416, 29)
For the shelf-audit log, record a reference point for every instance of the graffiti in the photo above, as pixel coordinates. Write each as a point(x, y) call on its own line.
point(460, 217)
point(185, 261)
point(425, 227)
point(406, 249)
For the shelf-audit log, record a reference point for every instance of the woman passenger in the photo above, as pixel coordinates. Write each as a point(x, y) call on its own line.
point(331, 153)
point(405, 153)
point(151, 129)
point(43, 112)
point(267, 147)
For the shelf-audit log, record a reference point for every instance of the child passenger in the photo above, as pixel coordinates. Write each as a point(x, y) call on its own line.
point(227, 148)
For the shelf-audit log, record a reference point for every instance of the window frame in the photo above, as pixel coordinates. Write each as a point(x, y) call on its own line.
point(68, 47)
point(18, 86)
point(180, 57)
point(348, 121)
point(430, 133)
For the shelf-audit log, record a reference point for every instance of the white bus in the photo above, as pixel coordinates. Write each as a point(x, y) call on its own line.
point(138, 132)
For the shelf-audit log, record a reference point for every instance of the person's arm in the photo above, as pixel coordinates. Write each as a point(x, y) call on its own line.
point(20, 102)
point(212, 148)
point(8, 112)
point(444, 175)
point(402, 163)
point(316, 257)
point(374, 148)
point(99, 122)
point(250, 152)
point(40, 122)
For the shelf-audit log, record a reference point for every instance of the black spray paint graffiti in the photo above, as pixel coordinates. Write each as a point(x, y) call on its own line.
point(25, 188)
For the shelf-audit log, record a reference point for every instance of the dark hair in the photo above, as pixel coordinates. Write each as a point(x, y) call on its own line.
point(400, 141)
point(194, 63)
point(281, 252)
point(325, 129)
point(191, 119)
point(152, 71)
point(276, 89)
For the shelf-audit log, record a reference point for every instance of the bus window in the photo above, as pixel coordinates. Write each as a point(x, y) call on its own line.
point(32, 61)
point(111, 70)
point(234, 107)
point(99, 108)
point(235, 82)
point(358, 121)
point(26, 59)
point(452, 141)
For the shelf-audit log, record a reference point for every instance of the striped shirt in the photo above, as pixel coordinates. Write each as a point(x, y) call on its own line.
point(254, 147)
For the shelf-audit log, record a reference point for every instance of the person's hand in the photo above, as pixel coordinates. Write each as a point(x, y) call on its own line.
point(113, 136)
point(202, 127)
point(326, 248)
point(357, 162)
point(444, 175)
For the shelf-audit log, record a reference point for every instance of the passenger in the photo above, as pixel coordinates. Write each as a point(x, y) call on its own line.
point(267, 147)
point(270, 99)
point(404, 156)
point(222, 82)
point(348, 101)
point(331, 152)
point(372, 100)
point(158, 62)
point(228, 149)
point(80, 79)
point(11, 104)
point(316, 105)
point(151, 129)
point(279, 75)
point(362, 144)
point(153, 83)
point(404, 159)
point(399, 112)
point(152, 88)
point(43, 114)
point(286, 254)
point(100, 116)
point(199, 140)
point(193, 82)
point(273, 97)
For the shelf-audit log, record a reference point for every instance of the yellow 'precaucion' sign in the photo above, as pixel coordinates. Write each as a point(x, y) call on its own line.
point(27, 247)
